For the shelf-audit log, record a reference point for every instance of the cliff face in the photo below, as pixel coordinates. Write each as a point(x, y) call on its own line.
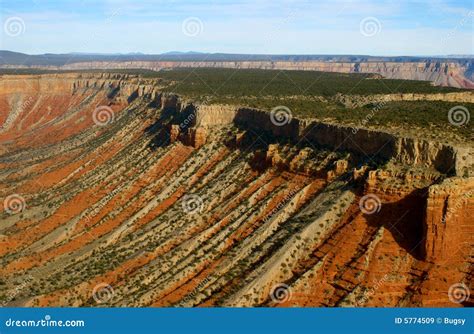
point(447, 159)
point(440, 73)
point(212, 115)
point(448, 225)
point(129, 86)
point(353, 101)
point(444, 158)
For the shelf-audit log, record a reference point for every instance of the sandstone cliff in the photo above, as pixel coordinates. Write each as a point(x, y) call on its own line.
point(371, 144)
point(448, 225)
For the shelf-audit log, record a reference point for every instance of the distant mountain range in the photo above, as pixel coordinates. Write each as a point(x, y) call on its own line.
point(50, 59)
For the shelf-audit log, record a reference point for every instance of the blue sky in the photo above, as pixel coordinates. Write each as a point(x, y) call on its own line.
point(403, 27)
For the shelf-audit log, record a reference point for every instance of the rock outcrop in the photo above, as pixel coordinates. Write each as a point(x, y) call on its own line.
point(448, 226)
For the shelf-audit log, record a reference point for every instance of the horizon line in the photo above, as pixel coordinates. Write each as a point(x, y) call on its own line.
point(191, 52)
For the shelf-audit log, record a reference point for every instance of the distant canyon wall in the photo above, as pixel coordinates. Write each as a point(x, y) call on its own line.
point(450, 74)
point(448, 159)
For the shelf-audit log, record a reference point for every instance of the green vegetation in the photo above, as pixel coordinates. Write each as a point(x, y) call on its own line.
point(407, 114)
point(301, 91)
point(200, 82)
point(222, 83)
point(308, 94)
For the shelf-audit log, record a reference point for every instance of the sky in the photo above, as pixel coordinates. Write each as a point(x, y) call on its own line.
point(369, 27)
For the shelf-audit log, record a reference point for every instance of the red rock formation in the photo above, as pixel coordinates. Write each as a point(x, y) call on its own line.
point(203, 224)
point(174, 132)
point(449, 229)
point(196, 137)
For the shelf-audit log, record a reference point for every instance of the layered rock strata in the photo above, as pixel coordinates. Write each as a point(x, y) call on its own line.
point(170, 203)
point(440, 73)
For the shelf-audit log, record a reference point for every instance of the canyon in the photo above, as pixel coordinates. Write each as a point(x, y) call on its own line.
point(449, 72)
point(439, 73)
point(117, 193)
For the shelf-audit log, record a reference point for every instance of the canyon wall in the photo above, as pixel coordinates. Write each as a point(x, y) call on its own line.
point(448, 159)
point(439, 73)
point(129, 85)
point(444, 74)
point(353, 101)
point(368, 144)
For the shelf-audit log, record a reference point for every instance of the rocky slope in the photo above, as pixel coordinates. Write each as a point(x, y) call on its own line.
point(116, 194)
